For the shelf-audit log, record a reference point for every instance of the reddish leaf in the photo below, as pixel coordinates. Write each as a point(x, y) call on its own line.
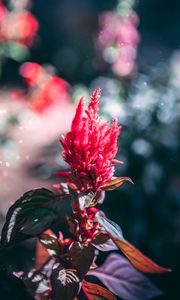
point(140, 261)
point(96, 292)
point(123, 280)
point(42, 255)
point(115, 183)
point(50, 242)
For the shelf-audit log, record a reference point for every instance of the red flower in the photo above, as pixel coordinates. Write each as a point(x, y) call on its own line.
point(52, 91)
point(45, 89)
point(20, 27)
point(90, 146)
point(31, 72)
point(2, 12)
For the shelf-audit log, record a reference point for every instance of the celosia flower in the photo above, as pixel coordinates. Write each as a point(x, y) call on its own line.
point(90, 147)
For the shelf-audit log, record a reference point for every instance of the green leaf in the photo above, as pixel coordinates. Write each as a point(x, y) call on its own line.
point(32, 214)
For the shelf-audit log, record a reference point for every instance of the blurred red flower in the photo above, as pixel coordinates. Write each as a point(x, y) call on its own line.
point(45, 89)
point(2, 12)
point(17, 26)
point(31, 72)
point(90, 146)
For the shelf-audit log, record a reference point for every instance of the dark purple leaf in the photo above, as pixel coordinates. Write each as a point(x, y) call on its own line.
point(122, 279)
point(82, 258)
point(37, 282)
point(65, 283)
point(80, 200)
point(30, 215)
point(37, 221)
point(103, 243)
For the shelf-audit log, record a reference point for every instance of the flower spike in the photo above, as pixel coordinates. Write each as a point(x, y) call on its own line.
point(91, 146)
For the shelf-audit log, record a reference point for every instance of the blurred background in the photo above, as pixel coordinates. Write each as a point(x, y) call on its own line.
point(54, 51)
